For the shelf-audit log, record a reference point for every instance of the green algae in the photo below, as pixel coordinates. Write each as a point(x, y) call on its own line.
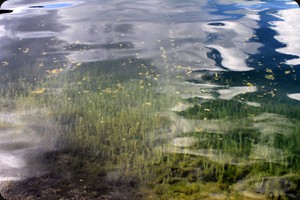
point(220, 109)
point(117, 127)
point(116, 123)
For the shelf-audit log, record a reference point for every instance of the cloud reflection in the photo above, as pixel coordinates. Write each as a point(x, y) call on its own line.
point(295, 96)
point(234, 91)
point(183, 39)
point(149, 27)
point(23, 140)
point(287, 34)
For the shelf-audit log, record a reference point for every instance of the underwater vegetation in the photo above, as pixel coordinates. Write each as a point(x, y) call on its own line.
point(247, 144)
point(112, 123)
point(125, 130)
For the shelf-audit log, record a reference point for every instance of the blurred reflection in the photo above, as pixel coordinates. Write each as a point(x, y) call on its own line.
point(203, 50)
point(2, 11)
point(28, 43)
point(295, 96)
point(287, 34)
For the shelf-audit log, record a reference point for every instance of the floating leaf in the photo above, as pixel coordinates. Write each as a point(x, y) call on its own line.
point(270, 76)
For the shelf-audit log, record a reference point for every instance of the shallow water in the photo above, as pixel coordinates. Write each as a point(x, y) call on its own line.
point(237, 53)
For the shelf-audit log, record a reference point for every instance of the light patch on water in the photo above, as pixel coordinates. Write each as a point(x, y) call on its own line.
point(242, 27)
point(37, 34)
point(188, 90)
point(269, 123)
point(183, 125)
point(286, 33)
point(8, 179)
point(184, 141)
point(10, 161)
point(57, 5)
point(295, 96)
point(181, 107)
point(234, 91)
point(9, 118)
point(2, 30)
point(255, 104)
point(211, 154)
point(151, 27)
point(24, 137)
point(44, 5)
point(268, 154)
point(233, 59)
point(255, 17)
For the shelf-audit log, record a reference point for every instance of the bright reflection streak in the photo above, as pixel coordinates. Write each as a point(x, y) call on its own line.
point(295, 96)
point(10, 161)
point(287, 29)
point(22, 142)
point(170, 36)
point(150, 29)
point(234, 91)
point(268, 124)
point(233, 59)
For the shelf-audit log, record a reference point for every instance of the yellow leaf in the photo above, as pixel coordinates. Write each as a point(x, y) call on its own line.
point(270, 77)
point(39, 91)
point(54, 71)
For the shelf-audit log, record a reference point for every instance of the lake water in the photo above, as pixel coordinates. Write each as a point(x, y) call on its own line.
point(232, 68)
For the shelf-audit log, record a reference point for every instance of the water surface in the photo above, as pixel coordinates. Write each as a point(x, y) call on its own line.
point(233, 66)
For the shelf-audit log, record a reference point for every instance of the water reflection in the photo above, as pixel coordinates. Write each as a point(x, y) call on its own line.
point(2, 11)
point(238, 55)
point(28, 45)
point(22, 142)
point(295, 96)
point(287, 35)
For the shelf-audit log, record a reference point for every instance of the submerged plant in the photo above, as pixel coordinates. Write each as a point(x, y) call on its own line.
point(116, 124)
point(235, 143)
point(122, 128)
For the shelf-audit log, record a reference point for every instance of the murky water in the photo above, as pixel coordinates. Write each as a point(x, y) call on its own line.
point(232, 65)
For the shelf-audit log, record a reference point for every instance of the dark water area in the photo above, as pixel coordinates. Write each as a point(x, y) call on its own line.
point(232, 69)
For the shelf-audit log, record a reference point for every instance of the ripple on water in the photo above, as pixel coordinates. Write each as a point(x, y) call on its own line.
point(216, 24)
point(56, 5)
